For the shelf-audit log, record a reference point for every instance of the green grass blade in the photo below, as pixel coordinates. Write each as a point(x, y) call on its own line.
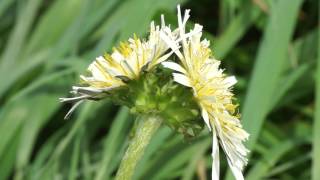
point(44, 152)
point(172, 157)
point(287, 82)
point(113, 142)
point(268, 66)
point(289, 164)
point(236, 29)
point(86, 164)
point(7, 161)
point(12, 119)
point(53, 24)
point(46, 105)
point(75, 156)
point(192, 166)
point(45, 80)
point(19, 34)
point(316, 126)
point(17, 119)
point(181, 158)
point(270, 158)
point(4, 4)
point(64, 142)
point(20, 71)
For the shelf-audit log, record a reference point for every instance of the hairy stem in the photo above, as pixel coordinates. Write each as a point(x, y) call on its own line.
point(146, 128)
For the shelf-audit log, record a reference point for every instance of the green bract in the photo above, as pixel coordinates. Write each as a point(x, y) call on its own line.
point(156, 93)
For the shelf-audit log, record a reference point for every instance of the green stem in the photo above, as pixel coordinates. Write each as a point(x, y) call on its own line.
point(146, 128)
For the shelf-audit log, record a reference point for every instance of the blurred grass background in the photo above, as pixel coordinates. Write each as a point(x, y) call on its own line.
point(270, 45)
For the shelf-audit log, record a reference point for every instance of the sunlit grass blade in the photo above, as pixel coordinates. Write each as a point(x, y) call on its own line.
point(268, 66)
point(316, 125)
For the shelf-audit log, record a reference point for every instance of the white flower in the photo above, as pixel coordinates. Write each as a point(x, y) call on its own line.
point(126, 62)
point(212, 90)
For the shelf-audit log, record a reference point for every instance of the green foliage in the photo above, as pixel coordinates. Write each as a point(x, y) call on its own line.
point(271, 46)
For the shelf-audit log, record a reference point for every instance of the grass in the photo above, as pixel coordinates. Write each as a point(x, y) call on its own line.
point(316, 136)
point(270, 45)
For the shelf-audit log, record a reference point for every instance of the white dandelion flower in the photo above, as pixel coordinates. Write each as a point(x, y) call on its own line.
point(198, 70)
point(126, 62)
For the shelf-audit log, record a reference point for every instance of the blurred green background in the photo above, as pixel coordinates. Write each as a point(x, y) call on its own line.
point(270, 45)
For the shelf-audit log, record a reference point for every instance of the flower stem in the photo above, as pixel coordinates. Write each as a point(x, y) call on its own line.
point(146, 128)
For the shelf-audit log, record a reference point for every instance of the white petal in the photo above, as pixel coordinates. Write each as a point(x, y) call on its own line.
point(172, 44)
point(182, 79)
point(86, 89)
point(163, 58)
point(117, 56)
point(232, 148)
point(77, 98)
point(236, 171)
point(205, 43)
point(96, 72)
point(196, 31)
point(129, 69)
point(186, 16)
point(174, 66)
point(205, 116)
point(152, 28)
point(114, 71)
point(215, 157)
point(72, 109)
point(100, 58)
point(230, 81)
point(163, 24)
point(84, 78)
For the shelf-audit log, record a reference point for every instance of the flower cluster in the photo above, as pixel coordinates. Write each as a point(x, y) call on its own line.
point(195, 69)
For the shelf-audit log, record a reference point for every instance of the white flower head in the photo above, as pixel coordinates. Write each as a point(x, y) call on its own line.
point(126, 62)
point(198, 70)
